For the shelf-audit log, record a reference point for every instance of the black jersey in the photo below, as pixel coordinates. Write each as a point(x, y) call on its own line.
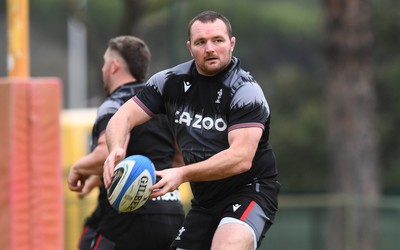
point(202, 110)
point(152, 139)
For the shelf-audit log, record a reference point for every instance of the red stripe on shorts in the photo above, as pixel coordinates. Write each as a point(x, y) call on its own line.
point(247, 211)
point(96, 246)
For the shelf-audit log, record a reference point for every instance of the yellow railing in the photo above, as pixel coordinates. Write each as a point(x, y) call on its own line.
point(76, 130)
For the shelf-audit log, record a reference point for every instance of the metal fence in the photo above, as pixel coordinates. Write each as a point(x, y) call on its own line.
point(301, 222)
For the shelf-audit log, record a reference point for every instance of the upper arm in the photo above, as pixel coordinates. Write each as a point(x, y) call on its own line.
point(133, 113)
point(244, 141)
point(99, 153)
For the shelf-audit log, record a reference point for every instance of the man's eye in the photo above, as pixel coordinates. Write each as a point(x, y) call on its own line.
point(200, 43)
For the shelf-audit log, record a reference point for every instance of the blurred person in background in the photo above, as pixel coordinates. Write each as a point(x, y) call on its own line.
point(156, 223)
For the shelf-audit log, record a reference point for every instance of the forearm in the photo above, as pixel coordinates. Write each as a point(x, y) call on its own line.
point(124, 120)
point(91, 183)
point(91, 164)
point(234, 160)
point(117, 132)
point(222, 165)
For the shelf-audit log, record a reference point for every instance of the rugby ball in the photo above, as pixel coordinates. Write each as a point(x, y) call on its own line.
point(131, 183)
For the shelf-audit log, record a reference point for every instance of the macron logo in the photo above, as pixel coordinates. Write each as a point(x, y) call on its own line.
point(236, 207)
point(180, 233)
point(186, 85)
point(219, 96)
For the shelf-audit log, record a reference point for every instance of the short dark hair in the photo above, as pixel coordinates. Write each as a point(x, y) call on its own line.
point(210, 16)
point(135, 53)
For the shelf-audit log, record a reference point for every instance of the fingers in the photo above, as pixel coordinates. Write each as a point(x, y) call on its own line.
point(164, 185)
point(157, 193)
point(81, 195)
point(158, 189)
point(113, 158)
point(84, 192)
point(75, 181)
point(108, 170)
point(77, 186)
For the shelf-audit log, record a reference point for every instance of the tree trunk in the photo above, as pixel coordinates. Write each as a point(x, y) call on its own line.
point(352, 136)
point(133, 11)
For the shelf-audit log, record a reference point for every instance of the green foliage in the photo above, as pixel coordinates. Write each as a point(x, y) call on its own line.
point(51, 21)
point(104, 15)
point(298, 130)
point(290, 18)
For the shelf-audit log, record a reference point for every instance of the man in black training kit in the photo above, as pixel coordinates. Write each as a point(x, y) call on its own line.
point(155, 225)
point(220, 119)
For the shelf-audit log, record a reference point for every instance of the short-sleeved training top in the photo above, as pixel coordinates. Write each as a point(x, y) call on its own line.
point(152, 139)
point(202, 111)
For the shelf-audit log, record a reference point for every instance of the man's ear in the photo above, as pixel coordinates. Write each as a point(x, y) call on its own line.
point(115, 65)
point(189, 48)
point(233, 43)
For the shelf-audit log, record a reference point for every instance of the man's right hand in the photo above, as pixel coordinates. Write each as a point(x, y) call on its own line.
point(75, 180)
point(113, 159)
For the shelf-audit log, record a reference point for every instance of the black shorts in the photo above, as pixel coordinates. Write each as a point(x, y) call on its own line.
point(92, 240)
point(255, 205)
point(146, 231)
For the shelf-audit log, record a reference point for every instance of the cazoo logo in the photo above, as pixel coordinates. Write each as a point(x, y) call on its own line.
point(198, 121)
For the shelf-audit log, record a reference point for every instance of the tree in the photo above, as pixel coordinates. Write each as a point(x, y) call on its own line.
point(133, 11)
point(352, 136)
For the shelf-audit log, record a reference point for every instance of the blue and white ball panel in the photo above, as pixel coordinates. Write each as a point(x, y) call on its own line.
point(131, 183)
